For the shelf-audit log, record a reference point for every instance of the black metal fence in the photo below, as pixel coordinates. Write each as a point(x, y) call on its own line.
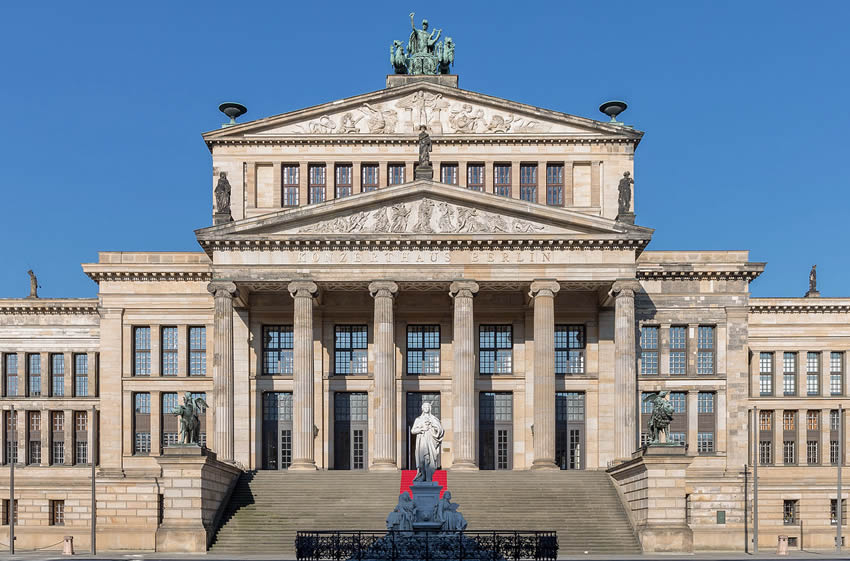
point(395, 545)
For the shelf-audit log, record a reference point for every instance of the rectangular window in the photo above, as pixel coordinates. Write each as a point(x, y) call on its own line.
point(789, 512)
point(57, 421)
point(569, 349)
point(142, 351)
point(555, 184)
point(678, 350)
point(81, 423)
point(833, 512)
point(765, 452)
point(142, 442)
point(833, 420)
point(705, 402)
point(368, 177)
point(789, 373)
point(350, 350)
point(6, 512)
point(423, 349)
point(57, 375)
point(812, 373)
point(11, 436)
point(495, 349)
point(705, 442)
point(35, 452)
point(528, 182)
point(448, 174)
point(678, 437)
point(475, 177)
point(679, 401)
point(143, 403)
point(58, 453)
point(789, 455)
point(812, 420)
point(11, 369)
point(765, 420)
point(649, 350)
point(81, 444)
point(833, 452)
point(766, 373)
point(344, 187)
point(81, 375)
point(57, 513)
point(316, 173)
point(278, 341)
point(197, 351)
point(142, 413)
point(290, 184)
point(34, 374)
point(502, 180)
point(395, 174)
point(789, 420)
point(705, 350)
point(169, 351)
point(836, 373)
point(812, 452)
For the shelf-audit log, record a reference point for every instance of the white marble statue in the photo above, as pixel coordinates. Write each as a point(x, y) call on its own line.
point(429, 435)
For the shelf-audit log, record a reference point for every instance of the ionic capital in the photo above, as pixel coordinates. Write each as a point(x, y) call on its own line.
point(383, 289)
point(544, 288)
point(302, 289)
point(463, 289)
point(625, 287)
point(222, 289)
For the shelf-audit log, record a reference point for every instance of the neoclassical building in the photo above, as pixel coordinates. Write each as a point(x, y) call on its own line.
point(341, 284)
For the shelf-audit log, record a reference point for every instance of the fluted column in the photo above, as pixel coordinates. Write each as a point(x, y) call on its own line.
point(543, 292)
point(303, 457)
point(625, 376)
point(383, 398)
point(463, 376)
point(223, 293)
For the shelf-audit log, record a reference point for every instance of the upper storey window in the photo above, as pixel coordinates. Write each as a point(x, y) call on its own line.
point(142, 351)
point(569, 349)
point(528, 182)
point(343, 181)
point(318, 183)
point(350, 349)
point(502, 180)
point(765, 373)
point(290, 184)
point(678, 350)
point(555, 184)
point(495, 349)
point(278, 344)
point(369, 179)
point(395, 174)
point(11, 367)
point(705, 350)
point(197, 351)
point(475, 177)
point(34, 371)
point(649, 350)
point(448, 174)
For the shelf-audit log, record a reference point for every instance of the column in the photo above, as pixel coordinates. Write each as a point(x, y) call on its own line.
point(383, 398)
point(625, 381)
point(463, 375)
point(543, 292)
point(303, 457)
point(223, 293)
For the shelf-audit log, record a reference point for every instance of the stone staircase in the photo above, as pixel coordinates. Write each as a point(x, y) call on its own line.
point(268, 507)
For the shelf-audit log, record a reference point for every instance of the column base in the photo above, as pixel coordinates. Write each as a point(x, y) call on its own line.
point(383, 466)
point(544, 465)
point(464, 466)
point(302, 466)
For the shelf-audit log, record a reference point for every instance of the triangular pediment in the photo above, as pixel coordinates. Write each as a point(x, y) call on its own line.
point(425, 210)
point(444, 110)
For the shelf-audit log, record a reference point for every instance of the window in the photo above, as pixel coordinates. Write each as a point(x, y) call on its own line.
point(169, 351)
point(142, 351)
point(836, 373)
point(35, 452)
point(833, 420)
point(81, 441)
point(502, 180)
point(813, 373)
point(569, 349)
point(278, 341)
point(649, 350)
point(350, 349)
point(57, 513)
point(142, 442)
point(11, 368)
point(142, 435)
point(34, 374)
point(81, 375)
point(143, 403)
point(788, 452)
point(705, 402)
point(765, 420)
point(58, 453)
point(475, 177)
point(678, 346)
point(678, 438)
point(788, 420)
point(789, 512)
point(448, 174)
point(423, 349)
point(679, 401)
point(705, 350)
point(369, 177)
point(11, 436)
point(495, 349)
point(395, 174)
point(765, 452)
point(833, 512)
point(57, 375)
point(555, 184)
point(197, 351)
point(766, 373)
point(317, 184)
point(812, 452)
point(789, 370)
point(833, 452)
point(705, 442)
point(812, 420)
point(344, 186)
point(6, 512)
point(57, 421)
point(170, 435)
point(290, 184)
point(528, 182)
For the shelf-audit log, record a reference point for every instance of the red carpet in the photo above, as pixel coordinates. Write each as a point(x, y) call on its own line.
point(407, 475)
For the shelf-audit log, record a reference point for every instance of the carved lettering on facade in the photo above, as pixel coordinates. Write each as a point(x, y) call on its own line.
point(425, 256)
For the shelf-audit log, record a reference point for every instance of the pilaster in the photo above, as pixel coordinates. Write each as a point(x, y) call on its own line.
point(111, 349)
point(69, 436)
point(543, 292)
point(825, 425)
point(693, 422)
point(303, 423)
point(156, 423)
point(383, 398)
point(779, 437)
point(463, 376)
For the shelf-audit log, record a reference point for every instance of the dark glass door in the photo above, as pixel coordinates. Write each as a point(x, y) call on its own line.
point(414, 408)
point(569, 430)
point(277, 430)
point(350, 430)
point(496, 434)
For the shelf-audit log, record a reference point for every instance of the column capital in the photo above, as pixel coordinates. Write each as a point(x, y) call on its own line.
point(625, 287)
point(463, 288)
point(221, 289)
point(302, 289)
point(382, 288)
point(544, 287)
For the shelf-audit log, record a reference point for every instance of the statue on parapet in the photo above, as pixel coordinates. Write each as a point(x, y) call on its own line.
point(190, 418)
point(661, 417)
point(424, 147)
point(429, 436)
point(813, 279)
point(33, 284)
point(624, 189)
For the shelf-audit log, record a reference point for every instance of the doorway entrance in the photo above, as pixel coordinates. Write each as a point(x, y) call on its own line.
point(569, 430)
point(277, 430)
point(350, 430)
point(495, 429)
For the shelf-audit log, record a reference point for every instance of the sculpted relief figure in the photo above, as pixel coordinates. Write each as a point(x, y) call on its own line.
point(500, 124)
point(323, 126)
point(423, 224)
point(382, 221)
point(400, 215)
point(464, 120)
point(444, 225)
point(349, 124)
point(379, 121)
point(429, 435)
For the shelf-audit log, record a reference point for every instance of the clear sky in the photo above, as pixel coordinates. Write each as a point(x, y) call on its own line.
point(103, 104)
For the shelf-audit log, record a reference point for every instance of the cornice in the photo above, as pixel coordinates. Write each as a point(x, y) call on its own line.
point(44, 306)
point(714, 274)
point(801, 306)
point(369, 139)
point(149, 276)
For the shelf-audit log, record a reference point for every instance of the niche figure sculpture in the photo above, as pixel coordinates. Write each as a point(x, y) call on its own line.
point(429, 436)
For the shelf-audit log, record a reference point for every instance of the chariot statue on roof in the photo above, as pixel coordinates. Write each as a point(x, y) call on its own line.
point(425, 54)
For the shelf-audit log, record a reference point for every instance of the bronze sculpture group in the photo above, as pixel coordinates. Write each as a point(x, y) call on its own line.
point(189, 417)
point(425, 55)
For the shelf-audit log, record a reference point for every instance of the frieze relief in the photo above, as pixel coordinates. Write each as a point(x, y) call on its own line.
point(425, 216)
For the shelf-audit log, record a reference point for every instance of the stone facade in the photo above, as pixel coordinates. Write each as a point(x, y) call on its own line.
point(344, 292)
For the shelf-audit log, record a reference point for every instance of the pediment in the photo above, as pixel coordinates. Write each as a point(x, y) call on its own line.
point(424, 210)
point(445, 111)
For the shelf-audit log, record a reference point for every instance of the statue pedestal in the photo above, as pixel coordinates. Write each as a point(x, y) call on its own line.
point(222, 218)
point(426, 495)
point(424, 172)
point(626, 217)
point(813, 294)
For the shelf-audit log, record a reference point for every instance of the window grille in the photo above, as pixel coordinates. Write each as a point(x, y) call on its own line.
point(812, 373)
point(369, 177)
point(343, 185)
point(705, 402)
point(350, 349)
point(833, 512)
point(569, 349)
point(395, 174)
point(317, 175)
point(57, 375)
point(57, 513)
point(495, 349)
point(766, 373)
point(528, 182)
point(448, 174)
point(502, 180)
point(649, 350)
point(81, 375)
point(169, 351)
point(475, 177)
point(788, 452)
point(812, 452)
point(34, 368)
point(789, 512)
point(11, 370)
point(705, 350)
point(290, 184)
point(705, 442)
point(765, 452)
point(423, 349)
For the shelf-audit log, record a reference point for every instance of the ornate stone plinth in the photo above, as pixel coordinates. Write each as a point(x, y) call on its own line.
point(425, 498)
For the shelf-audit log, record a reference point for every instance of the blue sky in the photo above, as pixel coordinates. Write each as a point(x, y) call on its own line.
point(104, 103)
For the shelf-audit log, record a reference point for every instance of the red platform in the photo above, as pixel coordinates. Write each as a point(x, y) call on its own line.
point(407, 476)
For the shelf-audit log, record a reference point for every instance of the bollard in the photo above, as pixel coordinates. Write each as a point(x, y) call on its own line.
point(782, 545)
point(68, 546)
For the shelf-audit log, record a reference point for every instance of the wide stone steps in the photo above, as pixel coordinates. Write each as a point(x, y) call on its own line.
point(268, 508)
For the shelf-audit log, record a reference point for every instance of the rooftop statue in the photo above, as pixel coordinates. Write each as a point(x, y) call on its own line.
point(425, 55)
point(33, 285)
point(813, 279)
